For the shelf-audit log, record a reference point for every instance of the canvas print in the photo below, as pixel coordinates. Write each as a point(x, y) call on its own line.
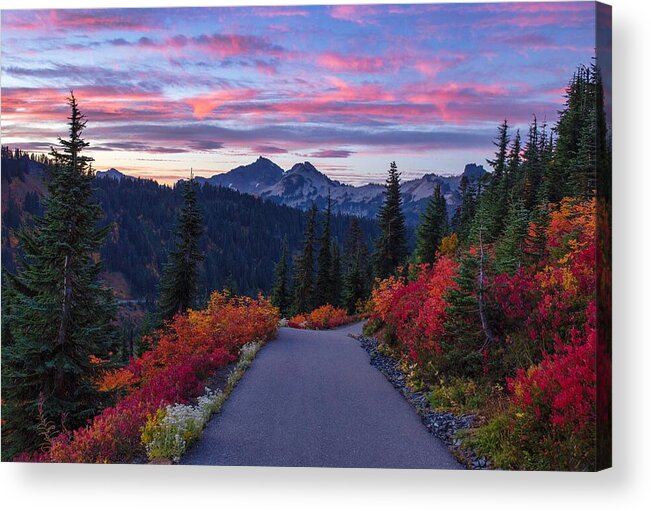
point(372, 236)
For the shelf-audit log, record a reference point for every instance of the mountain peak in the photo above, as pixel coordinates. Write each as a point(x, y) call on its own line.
point(474, 171)
point(305, 166)
point(111, 174)
point(250, 178)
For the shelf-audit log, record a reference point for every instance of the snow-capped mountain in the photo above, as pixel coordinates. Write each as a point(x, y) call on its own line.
point(112, 174)
point(303, 185)
point(251, 178)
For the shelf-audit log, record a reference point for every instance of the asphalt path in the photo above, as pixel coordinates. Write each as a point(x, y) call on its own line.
point(312, 399)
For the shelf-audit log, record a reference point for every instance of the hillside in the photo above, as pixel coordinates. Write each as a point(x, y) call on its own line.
point(242, 240)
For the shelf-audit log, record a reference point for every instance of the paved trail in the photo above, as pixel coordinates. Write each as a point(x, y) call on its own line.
point(312, 399)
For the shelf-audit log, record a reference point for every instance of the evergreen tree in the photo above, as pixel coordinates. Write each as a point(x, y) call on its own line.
point(324, 291)
point(280, 294)
point(304, 269)
point(509, 252)
point(462, 219)
point(60, 314)
point(469, 322)
point(336, 278)
point(536, 240)
point(533, 166)
point(391, 246)
point(499, 163)
point(432, 229)
point(179, 284)
point(495, 197)
point(357, 269)
point(512, 178)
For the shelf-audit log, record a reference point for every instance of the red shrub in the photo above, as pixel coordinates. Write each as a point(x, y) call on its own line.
point(182, 356)
point(322, 318)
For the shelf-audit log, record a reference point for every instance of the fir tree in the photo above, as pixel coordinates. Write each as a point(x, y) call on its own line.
point(495, 197)
point(391, 246)
point(469, 322)
point(509, 251)
point(462, 219)
point(356, 279)
point(432, 229)
point(512, 179)
point(533, 166)
point(324, 291)
point(499, 163)
point(304, 269)
point(179, 284)
point(280, 294)
point(336, 279)
point(60, 313)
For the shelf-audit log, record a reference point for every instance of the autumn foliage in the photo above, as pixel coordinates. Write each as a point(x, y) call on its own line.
point(181, 357)
point(415, 311)
point(545, 351)
point(322, 318)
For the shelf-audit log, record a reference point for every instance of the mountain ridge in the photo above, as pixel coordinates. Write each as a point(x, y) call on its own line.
point(303, 185)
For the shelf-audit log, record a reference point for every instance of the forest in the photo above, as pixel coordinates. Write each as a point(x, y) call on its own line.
point(501, 310)
point(242, 241)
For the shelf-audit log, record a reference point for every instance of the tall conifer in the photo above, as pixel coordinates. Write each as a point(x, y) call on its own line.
point(432, 229)
point(304, 269)
point(324, 291)
point(391, 246)
point(60, 316)
point(179, 284)
point(280, 294)
point(356, 278)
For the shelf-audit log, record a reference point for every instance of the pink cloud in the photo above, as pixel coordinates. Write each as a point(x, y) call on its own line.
point(204, 105)
point(78, 20)
point(331, 153)
point(277, 12)
point(360, 14)
point(350, 63)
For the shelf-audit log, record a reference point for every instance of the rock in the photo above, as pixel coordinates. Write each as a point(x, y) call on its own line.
point(443, 425)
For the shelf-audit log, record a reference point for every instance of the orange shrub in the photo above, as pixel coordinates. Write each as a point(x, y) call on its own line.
point(321, 318)
point(182, 356)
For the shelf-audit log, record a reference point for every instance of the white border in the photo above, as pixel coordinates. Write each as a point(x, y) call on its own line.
point(627, 486)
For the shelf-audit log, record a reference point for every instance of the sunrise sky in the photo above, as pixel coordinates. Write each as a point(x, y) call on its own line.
point(348, 88)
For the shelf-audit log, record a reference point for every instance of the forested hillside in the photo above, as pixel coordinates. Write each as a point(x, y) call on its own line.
point(242, 240)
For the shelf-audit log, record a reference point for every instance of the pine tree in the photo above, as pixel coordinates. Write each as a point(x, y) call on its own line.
point(509, 251)
point(179, 284)
point(432, 229)
point(391, 246)
point(462, 219)
point(324, 291)
point(469, 323)
point(336, 278)
point(60, 315)
point(495, 197)
point(280, 294)
point(536, 241)
point(356, 279)
point(533, 167)
point(304, 269)
point(512, 179)
point(499, 163)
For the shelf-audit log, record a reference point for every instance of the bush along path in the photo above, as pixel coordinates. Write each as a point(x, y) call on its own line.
point(155, 391)
point(443, 425)
point(171, 430)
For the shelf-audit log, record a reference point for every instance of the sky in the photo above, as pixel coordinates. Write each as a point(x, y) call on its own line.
point(349, 88)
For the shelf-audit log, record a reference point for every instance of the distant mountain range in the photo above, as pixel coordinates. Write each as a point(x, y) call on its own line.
point(303, 185)
point(241, 244)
